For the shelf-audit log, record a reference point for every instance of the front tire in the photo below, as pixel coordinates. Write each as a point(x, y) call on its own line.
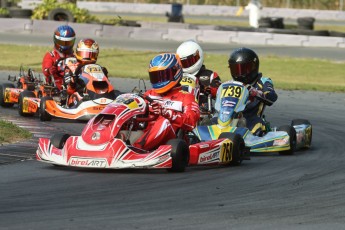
point(21, 106)
point(179, 155)
point(292, 135)
point(43, 114)
point(2, 94)
point(238, 147)
point(58, 140)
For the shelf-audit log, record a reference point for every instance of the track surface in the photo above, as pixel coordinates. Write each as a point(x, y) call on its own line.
point(303, 191)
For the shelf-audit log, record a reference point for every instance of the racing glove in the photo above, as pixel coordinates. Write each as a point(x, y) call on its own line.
point(253, 92)
point(155, 108)
point(167, 113)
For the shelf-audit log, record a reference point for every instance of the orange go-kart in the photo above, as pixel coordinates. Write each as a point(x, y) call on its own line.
point(27, 83)
point(94, 91)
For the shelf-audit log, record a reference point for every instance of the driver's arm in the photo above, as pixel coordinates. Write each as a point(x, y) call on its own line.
point(188, 118)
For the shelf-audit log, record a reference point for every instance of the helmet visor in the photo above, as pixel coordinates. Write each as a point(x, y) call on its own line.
point(241, 70)
point(87, 55)
point(190, 60)
point(162, 75)
point(64, 41)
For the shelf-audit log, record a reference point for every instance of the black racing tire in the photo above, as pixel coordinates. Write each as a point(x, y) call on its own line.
point(179, 155)
point(130, 23)
point(313, 32)
point(292, 134)
point(21, 105)
point(336, 34)
point(178, 18)
point(60, 14)
point(305, 122)
point(265, 22)
point(58, 140)
point(19, 12)
point(238, 147)
point(43, 114)
point(306, 23)
point(2, 94)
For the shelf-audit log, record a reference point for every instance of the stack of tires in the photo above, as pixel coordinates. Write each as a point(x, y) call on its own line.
point(16, 12)
point(268, 22)
point(306, 23)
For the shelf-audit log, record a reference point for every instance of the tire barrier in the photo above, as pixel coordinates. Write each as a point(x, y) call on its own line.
point(60, 14)
point(19, 13)
point(306, 23)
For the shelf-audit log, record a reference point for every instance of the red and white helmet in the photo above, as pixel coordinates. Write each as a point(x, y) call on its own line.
point(191, 55)
point(87, 51)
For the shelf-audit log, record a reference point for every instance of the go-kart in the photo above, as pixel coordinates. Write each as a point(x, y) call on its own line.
point(94, 91)
point(106, 142)
point(232, 100)
point(25, 82)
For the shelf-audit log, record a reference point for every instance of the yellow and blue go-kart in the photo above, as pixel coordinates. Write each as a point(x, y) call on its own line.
point(233, 97)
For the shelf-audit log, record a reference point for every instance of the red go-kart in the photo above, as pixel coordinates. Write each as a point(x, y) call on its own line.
point(106, 141)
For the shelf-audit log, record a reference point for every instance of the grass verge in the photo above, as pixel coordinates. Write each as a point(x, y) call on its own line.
point(10, 132)
point(286, 73)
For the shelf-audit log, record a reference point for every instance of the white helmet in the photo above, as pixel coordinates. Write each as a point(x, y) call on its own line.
point(191, 55)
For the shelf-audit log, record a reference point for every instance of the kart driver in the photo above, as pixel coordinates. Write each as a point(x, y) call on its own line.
point(175, 108)
point(244, 67)
point(192, 59)
point(64, 38)
point(86, 53)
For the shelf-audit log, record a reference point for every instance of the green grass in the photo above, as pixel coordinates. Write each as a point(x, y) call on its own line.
point(12, 133)
point(286, 73)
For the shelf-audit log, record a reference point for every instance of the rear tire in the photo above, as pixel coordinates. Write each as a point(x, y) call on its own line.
point(43, 114)
point(179, 155)
point(2, 94)
point(292, 134)
point(58, 140)
point(238, 147)
point(23, 94)
point(304, 122)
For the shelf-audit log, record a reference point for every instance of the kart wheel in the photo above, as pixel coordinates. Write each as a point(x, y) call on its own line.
point(238, 147)
point(304, 122)
point(58, 140)
point(2, 94)
point(292, 134)
point(179, 155)
point(21, 105)
point(43, 114)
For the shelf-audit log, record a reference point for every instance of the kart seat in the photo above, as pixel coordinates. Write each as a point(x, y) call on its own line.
point(135, 135)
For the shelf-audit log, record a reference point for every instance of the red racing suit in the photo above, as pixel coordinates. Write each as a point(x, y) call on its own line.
point(183, 113)
point(49, 60)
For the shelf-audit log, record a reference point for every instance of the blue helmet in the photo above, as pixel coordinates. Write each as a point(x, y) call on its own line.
point(165, 72)
point(64, 38)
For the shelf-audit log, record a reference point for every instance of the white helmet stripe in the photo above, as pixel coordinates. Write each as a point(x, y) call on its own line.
point(64, 39)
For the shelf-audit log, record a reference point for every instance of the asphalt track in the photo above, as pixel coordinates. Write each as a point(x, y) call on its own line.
point(303, 191)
